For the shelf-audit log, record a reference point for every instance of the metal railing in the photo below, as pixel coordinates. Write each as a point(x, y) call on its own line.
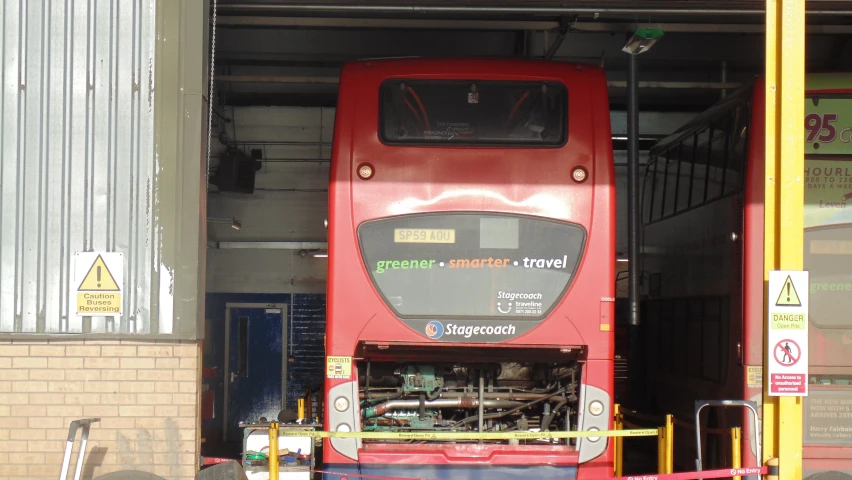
point(665, 437)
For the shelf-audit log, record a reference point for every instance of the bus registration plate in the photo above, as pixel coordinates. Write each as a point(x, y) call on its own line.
point(424, 235)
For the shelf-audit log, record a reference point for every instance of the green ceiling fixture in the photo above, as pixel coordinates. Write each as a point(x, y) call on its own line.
point(642, 40)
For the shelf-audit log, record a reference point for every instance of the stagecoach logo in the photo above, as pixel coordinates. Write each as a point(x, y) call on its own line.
point(434, 329)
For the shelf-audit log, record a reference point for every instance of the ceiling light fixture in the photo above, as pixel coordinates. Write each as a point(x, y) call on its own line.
point(642, 40)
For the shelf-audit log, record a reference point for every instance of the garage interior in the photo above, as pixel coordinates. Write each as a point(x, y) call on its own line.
point(274, 93)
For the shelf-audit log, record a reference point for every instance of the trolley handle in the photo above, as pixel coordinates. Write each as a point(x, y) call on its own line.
point(84, 423)
point(699, 404)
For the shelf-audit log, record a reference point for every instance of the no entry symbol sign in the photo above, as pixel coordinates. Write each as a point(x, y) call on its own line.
point(787, 353)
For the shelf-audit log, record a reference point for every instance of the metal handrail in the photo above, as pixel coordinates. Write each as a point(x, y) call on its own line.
point(700, 404)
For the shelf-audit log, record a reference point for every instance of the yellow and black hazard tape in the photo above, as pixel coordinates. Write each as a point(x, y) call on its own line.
point(644, 432)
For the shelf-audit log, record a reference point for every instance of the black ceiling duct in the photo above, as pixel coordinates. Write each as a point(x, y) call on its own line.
point(236, 171)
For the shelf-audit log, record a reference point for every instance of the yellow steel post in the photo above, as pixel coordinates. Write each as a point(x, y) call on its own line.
point(300, 408)
point(661, 450)
point(784, 202)
point(669, 443)
point(273, 451)
point(770, 254)
point(736, 450)
point(618, 445)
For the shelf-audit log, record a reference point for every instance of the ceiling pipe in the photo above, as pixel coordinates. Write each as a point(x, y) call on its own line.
point(273, 245)
point(743, 28)
point(334, 81)
point(385, 23)
point(564, 28)
point(422, 9)
point(501, 25)
point(276, 79)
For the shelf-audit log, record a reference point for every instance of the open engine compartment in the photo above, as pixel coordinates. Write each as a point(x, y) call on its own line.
point(470, 396)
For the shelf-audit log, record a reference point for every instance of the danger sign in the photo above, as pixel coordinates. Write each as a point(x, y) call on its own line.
point(787, 326)
point(98, 284)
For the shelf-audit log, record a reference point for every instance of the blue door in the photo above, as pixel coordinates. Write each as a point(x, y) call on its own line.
point(256, 348)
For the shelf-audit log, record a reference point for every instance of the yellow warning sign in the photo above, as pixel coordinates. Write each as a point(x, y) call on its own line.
point(755, 376)
point(338, 367)
point(98, 283)
point(95, 304)
point(788, 296)
point(99, 278)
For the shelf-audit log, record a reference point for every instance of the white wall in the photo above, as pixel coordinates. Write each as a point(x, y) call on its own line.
point(290, 202)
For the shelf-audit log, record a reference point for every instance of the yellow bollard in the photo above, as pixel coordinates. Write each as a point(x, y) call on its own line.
point(300, 405)
point(618, 445)
point(661, 449)
point(669, 444)
point(772, 463)
point(273, 451)
point(736, 450)
point(308, 405)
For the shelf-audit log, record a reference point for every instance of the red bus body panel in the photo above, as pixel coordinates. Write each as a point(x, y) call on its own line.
point(830, 351)
point(826, 355)
point(418, 179)
point(822, 350)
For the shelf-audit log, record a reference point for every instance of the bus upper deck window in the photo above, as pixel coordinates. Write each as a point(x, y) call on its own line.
point(438, 112)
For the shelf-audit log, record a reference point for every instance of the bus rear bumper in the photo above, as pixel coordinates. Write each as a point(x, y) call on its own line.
point(455, 472)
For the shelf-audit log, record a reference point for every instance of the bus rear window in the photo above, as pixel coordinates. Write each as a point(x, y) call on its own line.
point(440, 112)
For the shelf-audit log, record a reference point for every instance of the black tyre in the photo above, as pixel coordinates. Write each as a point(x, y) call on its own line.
point(129, 475)
point(224, 471)
point(830, 475)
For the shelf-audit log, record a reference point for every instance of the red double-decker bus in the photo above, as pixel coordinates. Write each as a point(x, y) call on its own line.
point(703, 256)
point(471, 268)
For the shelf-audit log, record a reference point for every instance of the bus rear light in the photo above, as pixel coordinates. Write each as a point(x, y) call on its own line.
point(344, 428)
point(366, 171)
point(595, 417)
point(594, 439)
point(579, 174)
point(341, 404)
point(596, 408)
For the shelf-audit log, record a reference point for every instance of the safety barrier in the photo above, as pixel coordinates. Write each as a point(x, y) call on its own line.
point(734, 433)
point(642, 432)
point(273, 437)
point(769, 471)
point(664, 434)
point(665, 439)
point(747, 404)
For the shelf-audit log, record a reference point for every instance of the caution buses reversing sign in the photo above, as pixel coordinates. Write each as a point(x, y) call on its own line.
point(98, 284)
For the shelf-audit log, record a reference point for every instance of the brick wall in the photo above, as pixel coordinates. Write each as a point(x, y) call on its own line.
point(145, 392)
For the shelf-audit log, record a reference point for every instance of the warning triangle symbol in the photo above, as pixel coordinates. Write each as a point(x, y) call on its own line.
point(788, 296)
point(99, 278)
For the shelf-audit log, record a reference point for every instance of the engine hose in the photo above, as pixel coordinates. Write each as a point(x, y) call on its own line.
point(491, 416)
point(463, 402)
point(545, 423)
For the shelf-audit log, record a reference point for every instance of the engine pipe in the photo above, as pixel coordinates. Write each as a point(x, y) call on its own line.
point(481, 412)
point(462, 402)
